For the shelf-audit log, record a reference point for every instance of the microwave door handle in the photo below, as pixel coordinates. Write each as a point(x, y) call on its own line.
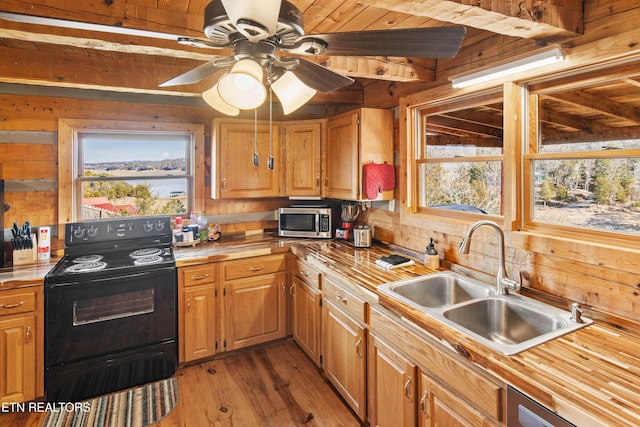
point(318, 224)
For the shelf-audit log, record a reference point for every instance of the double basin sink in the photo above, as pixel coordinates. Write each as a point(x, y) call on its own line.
point(508, 324)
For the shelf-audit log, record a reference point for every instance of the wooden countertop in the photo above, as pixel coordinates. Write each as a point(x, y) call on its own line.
point(590, 377)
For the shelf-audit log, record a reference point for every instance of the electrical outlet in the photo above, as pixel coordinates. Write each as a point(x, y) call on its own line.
point(392, 205)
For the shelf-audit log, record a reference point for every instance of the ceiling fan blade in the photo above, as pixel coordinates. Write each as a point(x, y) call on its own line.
point(77, 25)
point(192, 76)
point(431, 42)
point(318, 77)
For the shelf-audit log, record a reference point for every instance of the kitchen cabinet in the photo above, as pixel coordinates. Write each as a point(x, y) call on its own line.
point(344, 351)
point(354, 139)
point(392, 386)
point(307, 311)
point(453, 392)
point(198, 311)
point(303, 148)
point(235, 174)
point(21, 344)
point(254, 293)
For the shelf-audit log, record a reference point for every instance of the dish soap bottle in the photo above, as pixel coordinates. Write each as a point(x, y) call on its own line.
point(202, 227)
point(431, 258)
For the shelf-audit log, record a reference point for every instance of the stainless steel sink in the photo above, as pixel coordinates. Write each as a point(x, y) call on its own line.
point(508, 324)
point(438, 290)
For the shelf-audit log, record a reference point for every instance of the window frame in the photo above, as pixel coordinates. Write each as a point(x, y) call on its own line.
point(68, 157)
point(530, 154)
point(417, 156)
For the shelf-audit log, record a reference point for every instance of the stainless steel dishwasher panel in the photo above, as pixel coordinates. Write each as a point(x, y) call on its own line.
point(523, 411)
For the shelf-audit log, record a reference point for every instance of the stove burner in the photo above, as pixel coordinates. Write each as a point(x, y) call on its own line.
point(87, 258)
point(146, 252)
point(145, 260)
point(85, 267)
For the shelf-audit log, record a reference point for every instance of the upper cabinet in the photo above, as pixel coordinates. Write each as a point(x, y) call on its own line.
point(303, 169)
point(355, 139)
point(243, 149)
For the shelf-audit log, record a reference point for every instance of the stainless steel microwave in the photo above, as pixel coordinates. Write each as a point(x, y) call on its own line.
point(307, 221)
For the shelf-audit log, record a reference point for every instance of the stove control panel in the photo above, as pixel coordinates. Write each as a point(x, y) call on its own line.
point(117, 229)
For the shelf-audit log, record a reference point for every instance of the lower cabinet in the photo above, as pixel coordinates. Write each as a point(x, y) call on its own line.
point(414, 382)
point(306, 318)
point(345, 347)
point(393, 384)
point(21, 344)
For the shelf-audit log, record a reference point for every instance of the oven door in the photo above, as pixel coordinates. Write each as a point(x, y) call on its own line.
point(108, 315)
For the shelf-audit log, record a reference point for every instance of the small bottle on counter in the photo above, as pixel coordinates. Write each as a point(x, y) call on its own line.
point(202, 227)
point(431, 258)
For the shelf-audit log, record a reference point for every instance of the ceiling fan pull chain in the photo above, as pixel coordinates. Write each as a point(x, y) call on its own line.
point(256, 157)
point(270, 162)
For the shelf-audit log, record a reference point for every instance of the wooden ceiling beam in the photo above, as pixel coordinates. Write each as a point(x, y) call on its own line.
point(548, 20)
point(598, 104)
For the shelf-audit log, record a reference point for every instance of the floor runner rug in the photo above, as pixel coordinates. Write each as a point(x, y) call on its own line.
point(136, 407)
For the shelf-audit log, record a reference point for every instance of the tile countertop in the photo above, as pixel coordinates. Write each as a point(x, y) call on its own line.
point(591, 377)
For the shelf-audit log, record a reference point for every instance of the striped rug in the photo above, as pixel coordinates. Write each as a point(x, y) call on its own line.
point(135, 407)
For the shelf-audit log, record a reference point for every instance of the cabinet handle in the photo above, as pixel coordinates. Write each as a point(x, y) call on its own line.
point(291, 289)
point(12, 305)
point(28, 335)
point(423, 403)
point(200, 277)
point(317, 182)
point(359, 347)
point(188, 305)
point(304, 273)
point(341, 298)
point(326, 182)
point(256, 268)
point(284, 292)
point(224, 183)
point(407, 389)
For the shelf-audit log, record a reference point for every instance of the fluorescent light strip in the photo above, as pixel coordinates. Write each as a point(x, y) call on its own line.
point(518, 66)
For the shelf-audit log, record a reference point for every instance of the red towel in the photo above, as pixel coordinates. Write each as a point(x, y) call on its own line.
point(378, 178)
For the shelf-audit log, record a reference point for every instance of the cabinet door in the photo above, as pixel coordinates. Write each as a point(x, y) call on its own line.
point(344, 356)
point(255, 310)
point(303, 168)
point(238, 176)
point(392, 386)
point(440, 407)
point(342, 166)
point(200, 316)
point(18, 359)
point(306, 319)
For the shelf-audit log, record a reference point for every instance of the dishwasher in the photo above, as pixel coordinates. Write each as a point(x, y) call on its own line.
point(522, 411)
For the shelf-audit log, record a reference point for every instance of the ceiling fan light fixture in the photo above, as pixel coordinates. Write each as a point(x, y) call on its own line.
point(510, 68)
point(212, 97)
point(242, 87)
point(291, 92)
point(264, 12)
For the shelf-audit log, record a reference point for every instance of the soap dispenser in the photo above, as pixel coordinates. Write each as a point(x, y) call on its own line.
point(431, 258)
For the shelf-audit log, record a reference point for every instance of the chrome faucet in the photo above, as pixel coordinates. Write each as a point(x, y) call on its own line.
point(503, 283)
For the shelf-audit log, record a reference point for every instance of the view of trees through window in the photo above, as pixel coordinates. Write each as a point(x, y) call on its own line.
point(155, 182)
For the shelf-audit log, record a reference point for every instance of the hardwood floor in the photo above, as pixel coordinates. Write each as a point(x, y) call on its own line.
point(276, 385)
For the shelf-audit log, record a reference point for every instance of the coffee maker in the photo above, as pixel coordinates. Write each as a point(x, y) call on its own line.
point(349, 214)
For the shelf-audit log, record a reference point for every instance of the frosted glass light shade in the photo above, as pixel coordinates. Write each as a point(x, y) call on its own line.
point(291, 92)
point(263, 12)
point(212, 97)
point(242, 87)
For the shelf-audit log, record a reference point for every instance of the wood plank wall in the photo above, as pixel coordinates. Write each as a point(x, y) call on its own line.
point(29, 156)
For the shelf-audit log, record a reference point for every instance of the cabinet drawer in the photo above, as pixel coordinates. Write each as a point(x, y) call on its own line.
point(17, 301)
point(307, 274)
point(250, 267)
point(345, 300)
point(199, 274)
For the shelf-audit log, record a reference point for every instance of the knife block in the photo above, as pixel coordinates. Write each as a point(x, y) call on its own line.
point(26, 256)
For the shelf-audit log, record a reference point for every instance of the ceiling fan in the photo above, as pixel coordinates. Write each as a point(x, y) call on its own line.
point(258, 30)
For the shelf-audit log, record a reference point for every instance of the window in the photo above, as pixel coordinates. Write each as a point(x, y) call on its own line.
point(459, 157)
point(118, 169)
point(583, 159)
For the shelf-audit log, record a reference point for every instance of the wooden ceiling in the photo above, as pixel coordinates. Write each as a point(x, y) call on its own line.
point(51, 56)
